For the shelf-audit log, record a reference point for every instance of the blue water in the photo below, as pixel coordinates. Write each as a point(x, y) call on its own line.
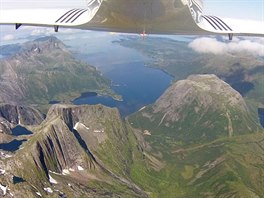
point(17, 180)
point(19, 130)
point(261, 116)
point(11, 146)
point(138, 85)
point(54, 102)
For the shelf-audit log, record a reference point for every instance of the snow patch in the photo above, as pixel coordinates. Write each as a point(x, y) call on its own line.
point(65, 172)
point(54, 172)
point(38, 193)
point(49, 190)
point(99, 131)
point(8, 156)
point(51, 180)
point(4, 155)
point(2, 171)
point(80, 168)
point(71, 169)
point(11, 194)
point(3, 188)
point(80, 124)
point(76, 126)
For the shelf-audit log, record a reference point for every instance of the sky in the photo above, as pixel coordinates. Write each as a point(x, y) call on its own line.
point(244, 9)
point(9, 4)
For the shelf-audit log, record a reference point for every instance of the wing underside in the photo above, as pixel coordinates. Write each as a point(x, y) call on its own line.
point(50, 15)
point(133, 16)
point(221, 25)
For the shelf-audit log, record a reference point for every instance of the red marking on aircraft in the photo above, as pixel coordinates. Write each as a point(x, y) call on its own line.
point(143, 34)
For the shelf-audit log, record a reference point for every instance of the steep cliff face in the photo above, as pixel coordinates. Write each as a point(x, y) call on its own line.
point(76, 145)
point(100, 131)
point(11, 119)
point(24, 115)
point(5, 126)
point(57, 149)
point(200, 108)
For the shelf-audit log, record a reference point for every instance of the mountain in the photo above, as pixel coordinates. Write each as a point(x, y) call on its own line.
point(78, 151)
point(204, 140)
point(9, 50)
point(200, 108)
point(45, 70)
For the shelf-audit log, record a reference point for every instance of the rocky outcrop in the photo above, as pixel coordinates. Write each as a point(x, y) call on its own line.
point(12, 115)
point(5, 126)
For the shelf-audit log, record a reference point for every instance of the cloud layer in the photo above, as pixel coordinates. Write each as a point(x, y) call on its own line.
point(8, 37)
point(213, 46)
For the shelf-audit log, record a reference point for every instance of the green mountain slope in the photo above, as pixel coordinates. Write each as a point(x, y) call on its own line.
point(45, 70)
point(199, 140)
point(227, 167)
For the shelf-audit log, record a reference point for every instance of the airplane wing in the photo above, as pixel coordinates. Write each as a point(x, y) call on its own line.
point(184, 17)
point(48, 13)
point(220, 25)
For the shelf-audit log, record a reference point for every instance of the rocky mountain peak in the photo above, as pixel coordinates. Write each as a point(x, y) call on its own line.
point(203, 91)
point(44, 44)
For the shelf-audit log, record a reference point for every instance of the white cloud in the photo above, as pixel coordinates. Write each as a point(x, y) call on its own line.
point(47, 31)
point(8, 37)
point(42, 32)
point(254, 46)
